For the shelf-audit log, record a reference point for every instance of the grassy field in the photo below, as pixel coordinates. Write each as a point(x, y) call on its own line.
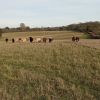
point(57, 35)
point(61, 70)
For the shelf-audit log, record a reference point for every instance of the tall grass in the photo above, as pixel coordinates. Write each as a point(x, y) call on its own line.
point(56, 71)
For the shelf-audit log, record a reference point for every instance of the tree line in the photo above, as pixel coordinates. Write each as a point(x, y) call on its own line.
point(87, 28)
point(92, 29)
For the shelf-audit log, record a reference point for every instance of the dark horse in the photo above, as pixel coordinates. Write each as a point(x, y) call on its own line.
point(13, 40)
point(44, 40)
point(6, 40)
point(31, 39)
point(50, 39)
point(75, 39)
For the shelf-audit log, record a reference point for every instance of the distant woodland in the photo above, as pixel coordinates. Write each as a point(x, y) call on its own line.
point(90, 28)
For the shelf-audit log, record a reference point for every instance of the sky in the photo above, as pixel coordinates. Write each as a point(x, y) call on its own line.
point(48, 13)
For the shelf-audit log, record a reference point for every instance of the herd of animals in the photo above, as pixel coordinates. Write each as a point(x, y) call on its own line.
point(30, 39)
point(38, 40)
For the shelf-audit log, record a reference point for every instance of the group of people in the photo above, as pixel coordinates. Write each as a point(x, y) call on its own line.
point(31, 39)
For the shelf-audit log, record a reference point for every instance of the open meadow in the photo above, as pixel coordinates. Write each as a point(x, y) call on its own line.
point(61, 70)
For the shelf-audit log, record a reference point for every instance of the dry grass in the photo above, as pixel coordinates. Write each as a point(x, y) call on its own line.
point(93, 43)
point(61, 70)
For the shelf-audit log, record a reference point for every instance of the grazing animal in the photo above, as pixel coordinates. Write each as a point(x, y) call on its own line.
point(77, 39)
point(13, 40)
point(31, 39)
point(44, 40)
point(73, 39)
point(24, 40)
point(6, 40)
point(50, 39)
point(38, 40)
point(20, 39)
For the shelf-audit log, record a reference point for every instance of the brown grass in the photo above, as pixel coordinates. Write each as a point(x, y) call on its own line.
point(61, 70)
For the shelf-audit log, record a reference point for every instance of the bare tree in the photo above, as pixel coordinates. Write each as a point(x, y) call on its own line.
point(22, 26)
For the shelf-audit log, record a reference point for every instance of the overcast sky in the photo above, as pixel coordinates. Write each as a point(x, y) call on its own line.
point(37, 13)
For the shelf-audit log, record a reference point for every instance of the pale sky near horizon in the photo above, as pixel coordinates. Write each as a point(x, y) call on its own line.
point(45, 13)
